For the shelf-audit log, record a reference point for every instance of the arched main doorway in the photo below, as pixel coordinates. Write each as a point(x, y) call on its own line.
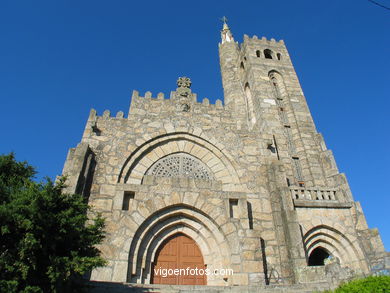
point(178, 252)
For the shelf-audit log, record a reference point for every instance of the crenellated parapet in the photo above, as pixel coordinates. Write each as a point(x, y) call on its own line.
point(147, 104)
point(263, 40)
point(182, 105)
point(180, 102)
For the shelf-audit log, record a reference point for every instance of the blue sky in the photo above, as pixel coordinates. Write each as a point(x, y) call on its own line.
point(58, 59)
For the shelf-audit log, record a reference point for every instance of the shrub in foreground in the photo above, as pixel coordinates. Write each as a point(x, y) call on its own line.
point(46, 238)
point(372, 284)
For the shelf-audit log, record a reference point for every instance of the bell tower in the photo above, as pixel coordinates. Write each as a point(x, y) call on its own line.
point(263, 92)
point(262, 89)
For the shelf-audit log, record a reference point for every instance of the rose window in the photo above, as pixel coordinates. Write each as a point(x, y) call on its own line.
point(180, 165)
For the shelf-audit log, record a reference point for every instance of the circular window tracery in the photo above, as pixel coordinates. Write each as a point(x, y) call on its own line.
point(180, 165)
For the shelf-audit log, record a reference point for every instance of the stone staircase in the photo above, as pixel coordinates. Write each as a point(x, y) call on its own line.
point(106, 287)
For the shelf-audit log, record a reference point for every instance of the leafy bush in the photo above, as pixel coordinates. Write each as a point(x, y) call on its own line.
point(377, 284)
point(46, 238)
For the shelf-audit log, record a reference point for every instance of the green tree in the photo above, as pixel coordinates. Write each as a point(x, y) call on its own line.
point(47, 240)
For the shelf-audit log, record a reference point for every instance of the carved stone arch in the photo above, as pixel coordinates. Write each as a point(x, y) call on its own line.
point(337, 241)
point(166, 233)
point(168, 221)
point(185, 228)
point(330, 247)
point(211, 154)
point(165, 218)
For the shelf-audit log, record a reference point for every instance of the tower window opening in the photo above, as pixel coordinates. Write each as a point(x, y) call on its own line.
point(268, 54)
point(258, 53)
point(279, 56)
point(317, 257)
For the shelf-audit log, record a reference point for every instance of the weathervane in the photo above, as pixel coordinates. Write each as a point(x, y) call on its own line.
point(224, 19)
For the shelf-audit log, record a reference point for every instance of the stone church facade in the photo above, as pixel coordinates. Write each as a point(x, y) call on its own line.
point(247, 184)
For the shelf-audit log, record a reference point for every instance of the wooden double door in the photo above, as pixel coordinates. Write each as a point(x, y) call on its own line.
point(178, 252)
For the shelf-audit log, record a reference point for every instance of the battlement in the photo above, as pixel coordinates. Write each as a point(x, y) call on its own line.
point(263, 40)
point(175, 104)
point(160, 96)
point(93, 115)
point(139, 104)
point(181, 101)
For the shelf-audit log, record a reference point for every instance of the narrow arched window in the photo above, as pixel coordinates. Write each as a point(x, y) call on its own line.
point(278, 85)
point(275, 84)
point(258, 53)
point(279, 56)
point(242, 68)
point(317, 257)
point(249, 104)
point(268, 53)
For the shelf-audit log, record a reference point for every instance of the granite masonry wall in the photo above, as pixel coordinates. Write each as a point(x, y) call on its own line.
point(261, 191)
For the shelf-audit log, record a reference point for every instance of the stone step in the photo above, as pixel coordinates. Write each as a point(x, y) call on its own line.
point(109, 287)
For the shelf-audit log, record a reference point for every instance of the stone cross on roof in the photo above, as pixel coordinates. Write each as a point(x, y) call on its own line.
point(184, 82)
point(183, 88)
